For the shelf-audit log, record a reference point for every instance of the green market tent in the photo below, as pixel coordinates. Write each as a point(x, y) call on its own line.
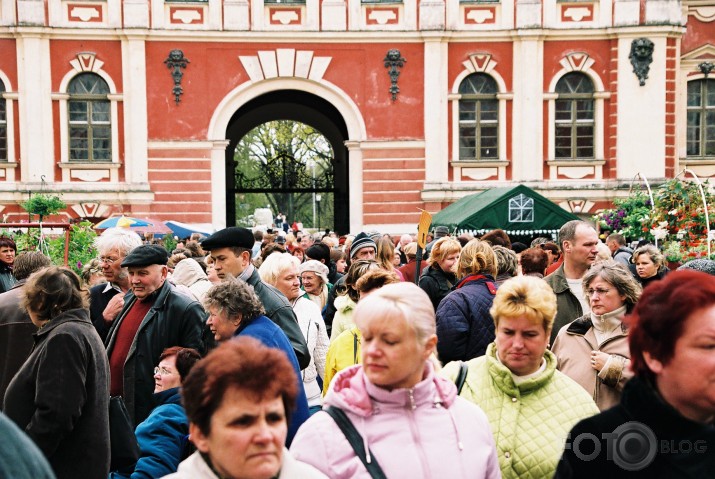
point(518, 210)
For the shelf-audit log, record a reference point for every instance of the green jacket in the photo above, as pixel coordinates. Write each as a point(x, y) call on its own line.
point(531, 421)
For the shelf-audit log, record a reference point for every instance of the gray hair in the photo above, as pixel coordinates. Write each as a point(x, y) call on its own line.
point(274, 265)
point(400, 299)
point(617, 275)
point(507, 261)
point(234, 297)
point(121, 239)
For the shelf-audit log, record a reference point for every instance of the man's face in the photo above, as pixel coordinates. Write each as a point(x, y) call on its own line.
point(306, 241)
point(612, 245)
point(367, 252)
point(582, 251)
point(228, 264)
point(7, 255)
point(144, 280)
point(111, 263)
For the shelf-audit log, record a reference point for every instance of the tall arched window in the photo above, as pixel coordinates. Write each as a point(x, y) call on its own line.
point(478, 118)
point(3, 124)
point(701, 118)
point(574, 129)
point(90, 129)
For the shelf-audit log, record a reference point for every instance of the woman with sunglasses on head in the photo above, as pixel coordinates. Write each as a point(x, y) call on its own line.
point(593, 349)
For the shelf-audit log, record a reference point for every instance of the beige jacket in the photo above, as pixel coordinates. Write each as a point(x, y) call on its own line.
point(573, 347)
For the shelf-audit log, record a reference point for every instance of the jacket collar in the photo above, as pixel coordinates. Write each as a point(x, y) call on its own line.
point(353, 391)
point(501, 375)
point(168, 396)
point(559, 285)
point(478, 278)
point(78, 315)
point(160, 295)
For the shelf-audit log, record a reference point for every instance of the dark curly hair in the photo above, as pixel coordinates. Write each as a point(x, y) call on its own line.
point(234, 297)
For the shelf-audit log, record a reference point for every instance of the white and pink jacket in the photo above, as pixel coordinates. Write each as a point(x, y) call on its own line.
point(422, 432)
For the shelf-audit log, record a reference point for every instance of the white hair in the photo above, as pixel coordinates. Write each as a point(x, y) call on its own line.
point(121, 239)
point(274, 265)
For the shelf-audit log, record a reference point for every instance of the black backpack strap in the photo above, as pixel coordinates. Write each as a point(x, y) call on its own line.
point(355, 440)
point(461, 377)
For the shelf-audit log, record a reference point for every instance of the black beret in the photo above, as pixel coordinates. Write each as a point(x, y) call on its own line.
point(145, 255)
point(229, 237)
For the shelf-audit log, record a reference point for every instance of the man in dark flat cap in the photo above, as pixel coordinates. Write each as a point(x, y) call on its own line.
point(155, 316)
point(230, 250)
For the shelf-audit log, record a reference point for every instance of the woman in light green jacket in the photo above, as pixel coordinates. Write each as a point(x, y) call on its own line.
point(530, 405)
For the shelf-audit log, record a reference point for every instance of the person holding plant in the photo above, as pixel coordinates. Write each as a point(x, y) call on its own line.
point(649, 265)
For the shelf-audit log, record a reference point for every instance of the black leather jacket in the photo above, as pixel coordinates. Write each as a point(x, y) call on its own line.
point(173, 320)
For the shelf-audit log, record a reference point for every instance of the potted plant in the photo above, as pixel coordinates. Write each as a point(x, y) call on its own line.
point(43, 205)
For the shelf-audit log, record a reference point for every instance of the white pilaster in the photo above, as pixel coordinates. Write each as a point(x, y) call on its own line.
point(35, 108)
point(355, 185)
point(435, 109)
point(334, 15)
point(432, 15)
point(135, 110)
point(30, 12)
point(236, 15)
point(641, 113)
point(663, 11)
point(528, 13)
point(528, 127)
point(626, 12)
point(218, 184)
point(136, 13)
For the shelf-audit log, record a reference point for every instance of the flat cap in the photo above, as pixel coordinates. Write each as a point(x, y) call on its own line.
point(233, 236)
point(145, 255)
point(441, 231)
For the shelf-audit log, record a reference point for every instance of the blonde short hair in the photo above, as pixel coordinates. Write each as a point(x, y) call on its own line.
point(525, 296)
point(477, 257)
point(406, 300)
point(442, 248)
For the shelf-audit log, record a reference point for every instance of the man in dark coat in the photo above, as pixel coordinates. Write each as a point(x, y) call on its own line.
point(155, 316)
point(7, 258)
point(231, 255)
point(107, 299)
point(16, 329)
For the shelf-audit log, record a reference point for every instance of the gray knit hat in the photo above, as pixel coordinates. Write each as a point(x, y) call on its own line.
point(362, 240)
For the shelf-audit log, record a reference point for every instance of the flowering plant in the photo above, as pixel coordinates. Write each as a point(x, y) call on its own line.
point(629, 216)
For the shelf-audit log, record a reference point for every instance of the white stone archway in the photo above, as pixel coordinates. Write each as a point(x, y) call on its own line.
point(246, 92)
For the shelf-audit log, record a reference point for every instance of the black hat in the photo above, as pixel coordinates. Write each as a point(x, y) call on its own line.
point(234, 236)
point(145, 255)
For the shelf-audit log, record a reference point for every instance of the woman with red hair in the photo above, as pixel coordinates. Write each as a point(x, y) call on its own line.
point(663, 426)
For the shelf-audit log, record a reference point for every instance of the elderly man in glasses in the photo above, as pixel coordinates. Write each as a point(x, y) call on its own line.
point(105, 299)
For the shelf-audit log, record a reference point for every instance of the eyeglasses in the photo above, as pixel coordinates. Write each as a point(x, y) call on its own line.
point(598, 291)
point(107, 260)
point(162, 372)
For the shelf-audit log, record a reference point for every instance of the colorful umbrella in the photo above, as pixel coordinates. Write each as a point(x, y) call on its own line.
point(123, 222)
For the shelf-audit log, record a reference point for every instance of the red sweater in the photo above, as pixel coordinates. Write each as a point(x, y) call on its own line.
point(125, 337)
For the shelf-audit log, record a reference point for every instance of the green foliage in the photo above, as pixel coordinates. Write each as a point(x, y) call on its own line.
point(629, 217)
point(43, 205)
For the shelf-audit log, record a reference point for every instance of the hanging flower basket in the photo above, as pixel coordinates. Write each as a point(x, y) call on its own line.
point(43, 205)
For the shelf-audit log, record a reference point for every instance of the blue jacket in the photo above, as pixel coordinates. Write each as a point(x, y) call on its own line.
point(464, 326)
point(267, 332)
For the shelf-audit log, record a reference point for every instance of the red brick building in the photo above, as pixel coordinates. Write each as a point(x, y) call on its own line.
point(541, 93)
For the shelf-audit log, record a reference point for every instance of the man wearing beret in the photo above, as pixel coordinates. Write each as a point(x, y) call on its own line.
point(155, 316)
point(230, 250)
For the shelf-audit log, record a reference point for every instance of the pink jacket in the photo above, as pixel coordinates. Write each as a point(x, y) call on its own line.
point(426, 431)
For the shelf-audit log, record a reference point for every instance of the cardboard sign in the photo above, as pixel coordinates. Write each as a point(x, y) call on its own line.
point(423, 228)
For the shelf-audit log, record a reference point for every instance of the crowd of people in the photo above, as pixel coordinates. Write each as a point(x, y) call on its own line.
point(280, 353)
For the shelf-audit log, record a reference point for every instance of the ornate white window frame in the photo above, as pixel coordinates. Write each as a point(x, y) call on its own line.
point(90, 170)
point(480, 169)
point(576, 169)
point(7, 168)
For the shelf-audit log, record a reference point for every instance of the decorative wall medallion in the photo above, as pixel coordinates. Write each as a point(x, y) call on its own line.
point(577, 13)
point(393, 60)
point(176, 61)
point(705, 68)
point(186, 16)
point(382, 16)
point(480, 15)
point(285, 16)
point(78, 12)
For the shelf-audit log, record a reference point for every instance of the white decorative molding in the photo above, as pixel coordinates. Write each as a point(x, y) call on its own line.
point(577, 14)
point(85, 14)
point(704, 13)
point(87, 62)
point(89, 175)
point(285, 62)
point(480, 62)
point(576, 172)
point(577, 61)
point(186, 16)
point(479, 15)
point(382, 16)
point(285, 17)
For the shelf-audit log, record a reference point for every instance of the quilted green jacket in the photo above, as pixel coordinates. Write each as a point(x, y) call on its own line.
point(531, 421)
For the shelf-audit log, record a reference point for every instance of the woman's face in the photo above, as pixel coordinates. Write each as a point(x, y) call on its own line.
point(687, 381)
point(221, 325)
point(447, 263)
point(645, 266)
point(604, 297)
point(521, 344)
point(247, 436)
point(166, 375)
point(211, 274)
point(341, 265)
point(7, 255)
point(288, 282)
point(311, 282)
point(392, 357)
point(299, 255)
point(396, 259)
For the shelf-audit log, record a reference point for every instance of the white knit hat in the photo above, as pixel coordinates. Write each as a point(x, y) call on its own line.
point(316, 267)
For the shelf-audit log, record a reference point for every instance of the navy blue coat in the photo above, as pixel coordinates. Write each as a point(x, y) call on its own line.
point(464, 326)
point(161, 437)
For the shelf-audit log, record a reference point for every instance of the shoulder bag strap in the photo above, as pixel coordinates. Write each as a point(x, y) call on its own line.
point(355, 440)
point(461, 377)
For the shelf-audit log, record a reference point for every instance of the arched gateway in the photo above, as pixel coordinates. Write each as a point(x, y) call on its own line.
point(321, 106)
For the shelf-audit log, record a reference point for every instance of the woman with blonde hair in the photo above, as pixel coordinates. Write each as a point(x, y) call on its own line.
point(650, 264)
point(385, 256)
point(530, 405)
point(464, 326)
point(438, 277)
point(410, 421)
